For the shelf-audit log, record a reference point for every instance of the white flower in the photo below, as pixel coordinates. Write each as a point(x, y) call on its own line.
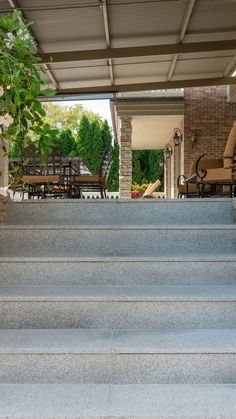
point(1, 91)
point(8, 87)
point(9, 40)
point(23, 34)
point(6, 120)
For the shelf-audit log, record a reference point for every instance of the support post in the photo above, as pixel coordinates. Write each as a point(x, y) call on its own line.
point(125, 157)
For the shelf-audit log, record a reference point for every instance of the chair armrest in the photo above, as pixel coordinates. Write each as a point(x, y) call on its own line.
point(201, 173)
point(180, 177)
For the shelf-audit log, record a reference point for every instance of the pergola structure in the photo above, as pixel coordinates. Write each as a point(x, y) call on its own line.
point(129, 45)
point(115, 46)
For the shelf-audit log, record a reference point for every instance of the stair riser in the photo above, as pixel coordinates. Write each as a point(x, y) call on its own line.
point(118, 368)
point(115, 242)
point(104, 213)
point(122, 315)
point(118, 273)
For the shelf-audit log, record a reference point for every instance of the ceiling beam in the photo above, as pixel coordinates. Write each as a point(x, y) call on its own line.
point(14, 6)
point(173, 84)
point(231, 66)
point(184, 26)
point(141, 51)
point(107, 35)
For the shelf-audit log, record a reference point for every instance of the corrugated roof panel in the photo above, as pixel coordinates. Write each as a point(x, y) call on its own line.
point(213, 16)
point(143, 19)
point(206, 65)
point(67, 29)
point(82, 74)
point(141, 70)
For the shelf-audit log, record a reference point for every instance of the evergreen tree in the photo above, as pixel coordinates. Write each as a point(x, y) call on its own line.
point(137, 175)
point(66, 142)
point(83, 140)
point(113, 180)
point(96, 151)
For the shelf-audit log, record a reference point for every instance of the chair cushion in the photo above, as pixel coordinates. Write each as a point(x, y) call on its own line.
point(220, 174)
point(230, 147)
point(192, 189)
point(34, 179)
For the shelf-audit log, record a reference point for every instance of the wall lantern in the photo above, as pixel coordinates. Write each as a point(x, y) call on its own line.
point(178, 137)
point(162, 161)
point(168, 151)
point(194, 136)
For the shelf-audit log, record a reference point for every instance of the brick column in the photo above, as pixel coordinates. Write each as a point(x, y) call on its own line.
point(125, 157)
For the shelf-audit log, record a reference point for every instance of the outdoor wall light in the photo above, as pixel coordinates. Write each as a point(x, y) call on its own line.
point(168, 151)
point(162, 162)
point(178, 137)
point(194, 137)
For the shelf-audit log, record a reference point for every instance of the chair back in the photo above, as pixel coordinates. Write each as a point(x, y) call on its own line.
point(32, 164)
point(229, 153)
point(30, 161)
point(106, 164)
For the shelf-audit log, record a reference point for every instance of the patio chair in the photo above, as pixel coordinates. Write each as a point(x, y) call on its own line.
point(40, 178)
point(224, 176)
point(150, 189)
point(86, 183)
point(190, 186)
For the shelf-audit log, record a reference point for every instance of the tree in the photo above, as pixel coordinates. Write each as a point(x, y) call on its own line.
point(146, 167)
point(66, 117)
point(113, 179)
point(66, 143)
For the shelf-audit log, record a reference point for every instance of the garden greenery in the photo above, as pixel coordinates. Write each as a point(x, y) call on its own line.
point(21, 85)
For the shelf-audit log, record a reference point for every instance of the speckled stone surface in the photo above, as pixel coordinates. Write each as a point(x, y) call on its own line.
point(117, 356)
point(118, 310)
point(117, 401)
point(69, 314)
point(188, 211)
point(195, 270)
point(111, 241)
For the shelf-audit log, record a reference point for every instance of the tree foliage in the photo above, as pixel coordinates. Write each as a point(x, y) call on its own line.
point(146, 167)
point(21, 112)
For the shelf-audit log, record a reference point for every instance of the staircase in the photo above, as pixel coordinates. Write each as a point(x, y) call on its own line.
point(116, 309)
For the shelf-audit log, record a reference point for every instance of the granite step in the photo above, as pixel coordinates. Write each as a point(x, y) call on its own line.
point(122, 271)
point(73, 241)
point(75, 401)
point(118, 307)
point(136, 212)
point(118, 356)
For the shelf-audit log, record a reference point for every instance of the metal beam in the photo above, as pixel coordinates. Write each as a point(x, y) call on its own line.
point(231, 66)
point(184, 26)
point(141, 51)
point(107, 35)
point(173, 84)
point(14, 5)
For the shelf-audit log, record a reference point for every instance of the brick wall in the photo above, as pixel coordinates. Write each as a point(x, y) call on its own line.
point(212, 117)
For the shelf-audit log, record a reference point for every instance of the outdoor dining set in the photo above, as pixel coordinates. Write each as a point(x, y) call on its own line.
point(57, 177)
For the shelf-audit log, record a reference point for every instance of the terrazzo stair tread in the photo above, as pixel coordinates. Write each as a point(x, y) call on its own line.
point(123, 241)
point(126, 341)
point(113, 227)
point(144, 401)
point(118, 293)
point(118, 212)
point(211, 271)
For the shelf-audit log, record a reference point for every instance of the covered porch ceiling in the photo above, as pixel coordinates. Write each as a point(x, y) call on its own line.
point(97, 46)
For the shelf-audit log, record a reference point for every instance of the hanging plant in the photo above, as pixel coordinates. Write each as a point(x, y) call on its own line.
point(21, 85)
